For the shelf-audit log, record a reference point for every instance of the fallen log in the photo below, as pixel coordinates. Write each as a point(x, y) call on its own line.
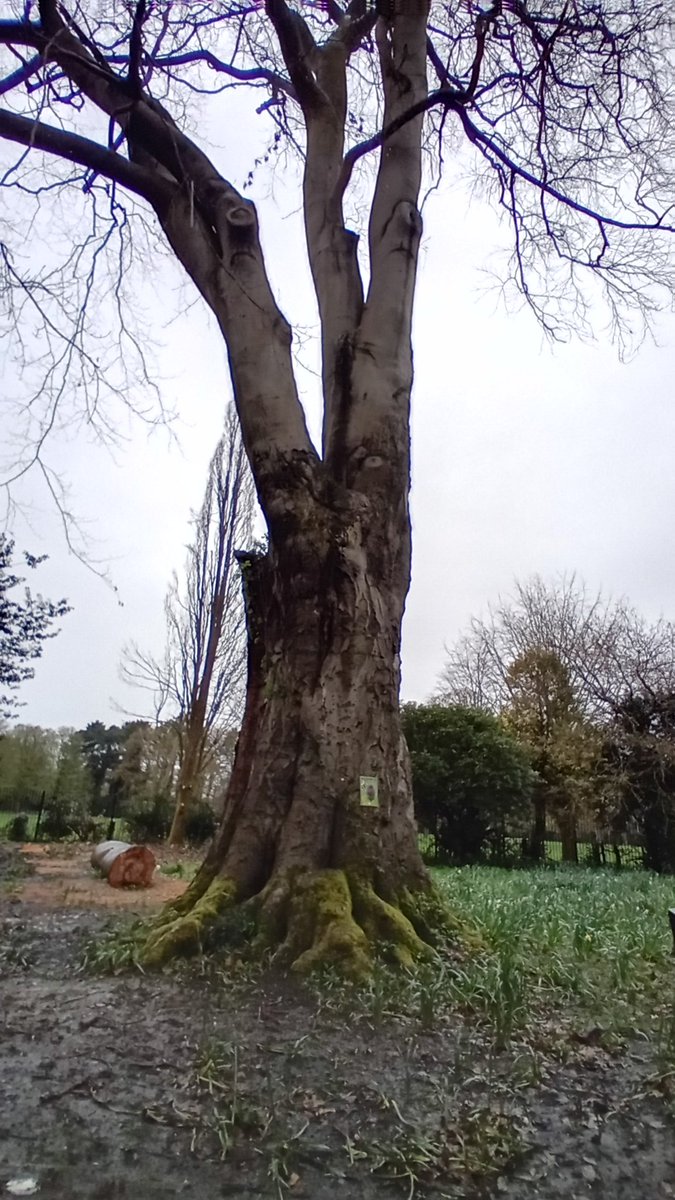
point(124, 865)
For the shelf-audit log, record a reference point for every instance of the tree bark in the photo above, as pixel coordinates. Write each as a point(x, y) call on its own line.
point(318, 834)
point(187, 777)
point(568, 833)
point(538, 832)
point(318, 837)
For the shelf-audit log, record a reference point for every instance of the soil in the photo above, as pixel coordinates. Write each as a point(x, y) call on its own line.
point(212, 1083)
point(63, 876)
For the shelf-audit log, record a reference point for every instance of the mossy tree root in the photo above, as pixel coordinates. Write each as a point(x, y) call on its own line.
point(308, 920)
point(181, 929)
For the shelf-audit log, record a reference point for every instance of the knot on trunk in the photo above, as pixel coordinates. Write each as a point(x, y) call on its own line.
point(408, 218)
point(240, 215)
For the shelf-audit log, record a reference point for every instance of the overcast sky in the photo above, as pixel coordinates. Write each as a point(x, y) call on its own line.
point(525, 459)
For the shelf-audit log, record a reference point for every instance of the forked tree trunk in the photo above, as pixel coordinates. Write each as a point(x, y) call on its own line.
point(318, 833)
point(326, 875)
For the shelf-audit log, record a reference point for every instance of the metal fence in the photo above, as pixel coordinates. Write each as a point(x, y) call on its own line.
point(593, 847)
point(22, 817)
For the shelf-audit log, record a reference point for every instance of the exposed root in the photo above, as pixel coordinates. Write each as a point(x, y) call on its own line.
point(386, 926)
point(184, 903)
point(321, 929)
point(308, 919)
point(337, 919)
point(434, 920)
point(174, 935)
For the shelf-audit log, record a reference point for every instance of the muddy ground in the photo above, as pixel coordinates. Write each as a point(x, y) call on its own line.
point(212, 1084)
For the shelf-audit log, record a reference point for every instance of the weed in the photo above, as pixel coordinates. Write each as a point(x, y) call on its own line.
point(116, 951)
point(232, 1111)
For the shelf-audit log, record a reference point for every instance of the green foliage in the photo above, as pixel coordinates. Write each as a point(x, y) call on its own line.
point(116, 950)
point(200, 824)
point(545, 717)
point(28, 757)
point(102, 748)
point(639, 750)
point(469, 776)
point(17, 830)
point(149, 817)
point(25, 624)
point(73, 785)
point(593, 943)
point(66, 818)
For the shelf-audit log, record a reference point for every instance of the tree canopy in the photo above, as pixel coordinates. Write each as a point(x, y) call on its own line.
point(470, 777)
point(25, 625)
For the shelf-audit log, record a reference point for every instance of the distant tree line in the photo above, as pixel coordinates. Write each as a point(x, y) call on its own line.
point(556, 711)
point(89, 775)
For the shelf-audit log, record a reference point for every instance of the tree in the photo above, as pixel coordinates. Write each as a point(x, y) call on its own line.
point(544, 714)
point(568, 113)
point(199, 682)
point(641, 748)
point(25, 625)
point(102, 749)
point(73, 782)
point(537, 660)
point(566, 670)
point(144, 781)
point(469, 777)
point(28, 756)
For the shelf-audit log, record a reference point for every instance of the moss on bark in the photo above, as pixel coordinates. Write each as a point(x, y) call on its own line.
point(184, 933)
point(310, 919)
point(434, 921)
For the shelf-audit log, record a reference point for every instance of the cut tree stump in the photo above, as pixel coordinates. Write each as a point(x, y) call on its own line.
point(124, 865)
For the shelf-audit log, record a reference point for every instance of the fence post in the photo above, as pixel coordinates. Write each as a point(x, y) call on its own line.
point(39, 817)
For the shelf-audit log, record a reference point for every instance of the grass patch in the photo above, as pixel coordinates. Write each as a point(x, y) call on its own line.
point(179, 870)
point(592, 945)
point(116, 950)
point(572, 957)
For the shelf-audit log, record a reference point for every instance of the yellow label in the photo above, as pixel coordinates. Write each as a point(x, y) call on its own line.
point(368, 791)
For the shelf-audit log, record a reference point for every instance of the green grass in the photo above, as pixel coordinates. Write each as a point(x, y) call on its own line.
point(593, 945)
point(573, 959)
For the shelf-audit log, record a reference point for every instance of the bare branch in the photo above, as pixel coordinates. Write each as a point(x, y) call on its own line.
point(75, 148)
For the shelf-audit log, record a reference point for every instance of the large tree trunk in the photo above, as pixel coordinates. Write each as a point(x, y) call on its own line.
point(318, 833)
point(326, 876)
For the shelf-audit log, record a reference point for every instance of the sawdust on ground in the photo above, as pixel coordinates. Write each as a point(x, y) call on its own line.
point(62, 876)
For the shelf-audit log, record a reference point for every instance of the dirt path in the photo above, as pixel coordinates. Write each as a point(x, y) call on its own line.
point(63, 877)
point(215, 1085)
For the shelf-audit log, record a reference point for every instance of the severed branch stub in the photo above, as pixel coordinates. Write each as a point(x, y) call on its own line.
point(124, 865)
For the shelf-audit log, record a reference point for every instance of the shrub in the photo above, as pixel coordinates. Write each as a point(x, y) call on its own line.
point(469, 778)
point(200, 824)
point(17, 830)
point(61, 819)
point(149, 819)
